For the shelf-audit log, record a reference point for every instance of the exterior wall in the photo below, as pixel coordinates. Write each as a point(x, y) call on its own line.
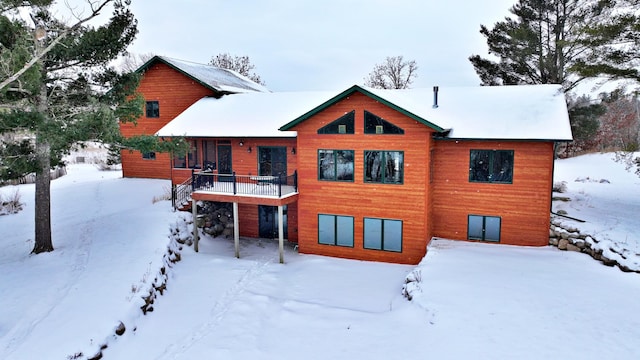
point(175, 92)
point(523, 205)
point(407, 202)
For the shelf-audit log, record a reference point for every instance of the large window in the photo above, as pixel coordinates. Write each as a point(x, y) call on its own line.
point(384, 166)
point(493, 166)
point(335, 165)
point(343, 125)
point(374, 124)
point(153, 109)
point(383, 234)
point(335, 230)
point(486, 228)
point(209, 154)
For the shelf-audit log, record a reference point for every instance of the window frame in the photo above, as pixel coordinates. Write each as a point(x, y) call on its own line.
point(484, 228)
point(151, 111)
point(151, 155)
point(382, 233)
point(346, 121)
point(492, 155)
point(335, 165)
point(384, 172)
point(378, 128)
point(336, 229)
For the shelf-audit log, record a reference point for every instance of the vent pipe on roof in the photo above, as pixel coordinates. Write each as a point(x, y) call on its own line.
point(435, 97)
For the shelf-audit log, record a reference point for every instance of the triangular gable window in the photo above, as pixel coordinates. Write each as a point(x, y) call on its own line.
point(374, 124)
point(343, 125)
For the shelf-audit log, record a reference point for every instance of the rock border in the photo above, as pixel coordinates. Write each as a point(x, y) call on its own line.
point(569, 238)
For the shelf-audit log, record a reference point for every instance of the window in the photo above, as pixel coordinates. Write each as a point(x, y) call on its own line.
point(383, 234)
point(385, 167)
point(191, 158)
point(151, 155)
point(153, 109)
point(486, 228)
point(374, 124)
point(335, 230)
point(209, 154)
point(493, 166)
point(343, 125)
point(335, 165)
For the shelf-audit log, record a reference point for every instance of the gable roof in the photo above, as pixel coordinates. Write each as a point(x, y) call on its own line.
point(519, 112)
point(214, 78)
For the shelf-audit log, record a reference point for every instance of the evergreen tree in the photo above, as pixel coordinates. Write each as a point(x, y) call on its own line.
point(68, 94)
point(559, 42)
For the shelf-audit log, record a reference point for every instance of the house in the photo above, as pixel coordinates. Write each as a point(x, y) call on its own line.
point(375, 174)
point(169, 87)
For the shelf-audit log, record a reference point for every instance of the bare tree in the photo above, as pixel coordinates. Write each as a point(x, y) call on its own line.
point(393, 73)
point(239, 64)
point(132, 61)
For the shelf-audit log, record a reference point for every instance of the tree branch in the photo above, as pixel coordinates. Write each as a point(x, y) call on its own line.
point(94, 12)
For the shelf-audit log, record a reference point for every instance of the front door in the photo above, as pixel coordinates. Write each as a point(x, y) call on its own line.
point(224, 162)
point(272, 161)
point(268, 221)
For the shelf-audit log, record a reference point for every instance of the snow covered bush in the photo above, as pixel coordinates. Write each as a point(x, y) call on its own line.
point(10, 204)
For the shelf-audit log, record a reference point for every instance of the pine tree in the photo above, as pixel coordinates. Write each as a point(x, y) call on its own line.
point(560, 42)
point(68, 94)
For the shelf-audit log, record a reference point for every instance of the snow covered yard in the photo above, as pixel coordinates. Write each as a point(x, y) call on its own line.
point(607, 197)
point(480, 301)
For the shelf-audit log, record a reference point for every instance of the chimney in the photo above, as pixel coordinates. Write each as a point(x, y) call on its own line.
point(435, 97)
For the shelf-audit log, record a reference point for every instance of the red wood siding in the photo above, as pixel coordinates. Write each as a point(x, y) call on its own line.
point(407, 202)
point(523, 205)
point(174, 92)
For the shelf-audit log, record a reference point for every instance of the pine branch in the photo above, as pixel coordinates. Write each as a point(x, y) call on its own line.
point(95, 11)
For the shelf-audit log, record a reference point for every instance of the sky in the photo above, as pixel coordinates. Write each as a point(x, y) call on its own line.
point(323, 45)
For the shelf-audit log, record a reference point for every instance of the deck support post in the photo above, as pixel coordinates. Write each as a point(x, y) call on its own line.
point(281, 233)
point(236, 230)
point(194, 212)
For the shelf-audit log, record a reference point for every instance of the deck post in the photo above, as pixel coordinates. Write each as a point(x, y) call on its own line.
point(281, 234)
point(236, 230)
point(194, 212)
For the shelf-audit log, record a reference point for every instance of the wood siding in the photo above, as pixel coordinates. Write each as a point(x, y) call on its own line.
point(174, 92)
point(407, 202)
point(523, 206)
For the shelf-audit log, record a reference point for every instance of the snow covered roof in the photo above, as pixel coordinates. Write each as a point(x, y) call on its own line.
point(527, 112)
point(243, 115)
point(523, 112)
point(212, 77)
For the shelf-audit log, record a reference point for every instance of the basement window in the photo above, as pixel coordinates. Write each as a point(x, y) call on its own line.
point(383, 234)
point(485, 228)
point(335, 230)
point(151, 155)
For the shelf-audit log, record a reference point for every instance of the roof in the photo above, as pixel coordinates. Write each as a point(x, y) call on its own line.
point(519, 112)
point(243, 115)
point(217, 79)
point(522, 112)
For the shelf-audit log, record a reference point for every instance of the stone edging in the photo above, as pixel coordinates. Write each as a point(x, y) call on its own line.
point(569, 238)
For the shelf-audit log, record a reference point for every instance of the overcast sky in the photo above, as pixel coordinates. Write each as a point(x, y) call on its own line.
point(323, 45)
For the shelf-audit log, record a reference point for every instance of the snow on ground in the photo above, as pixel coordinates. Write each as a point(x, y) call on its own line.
point(607, 198)
point(480, 301)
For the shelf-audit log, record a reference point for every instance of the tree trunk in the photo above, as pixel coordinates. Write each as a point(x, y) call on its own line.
point(43, 198)
point(43, 241)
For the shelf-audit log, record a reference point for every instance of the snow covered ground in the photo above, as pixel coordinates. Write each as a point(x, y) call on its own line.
point(480, 301)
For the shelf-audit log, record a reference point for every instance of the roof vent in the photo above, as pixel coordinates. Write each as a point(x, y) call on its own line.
point(435, 97)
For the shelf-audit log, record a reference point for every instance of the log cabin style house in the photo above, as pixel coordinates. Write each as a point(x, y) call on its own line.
point(364, 173)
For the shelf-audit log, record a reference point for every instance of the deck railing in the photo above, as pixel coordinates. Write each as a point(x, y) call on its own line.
point(258, 185)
